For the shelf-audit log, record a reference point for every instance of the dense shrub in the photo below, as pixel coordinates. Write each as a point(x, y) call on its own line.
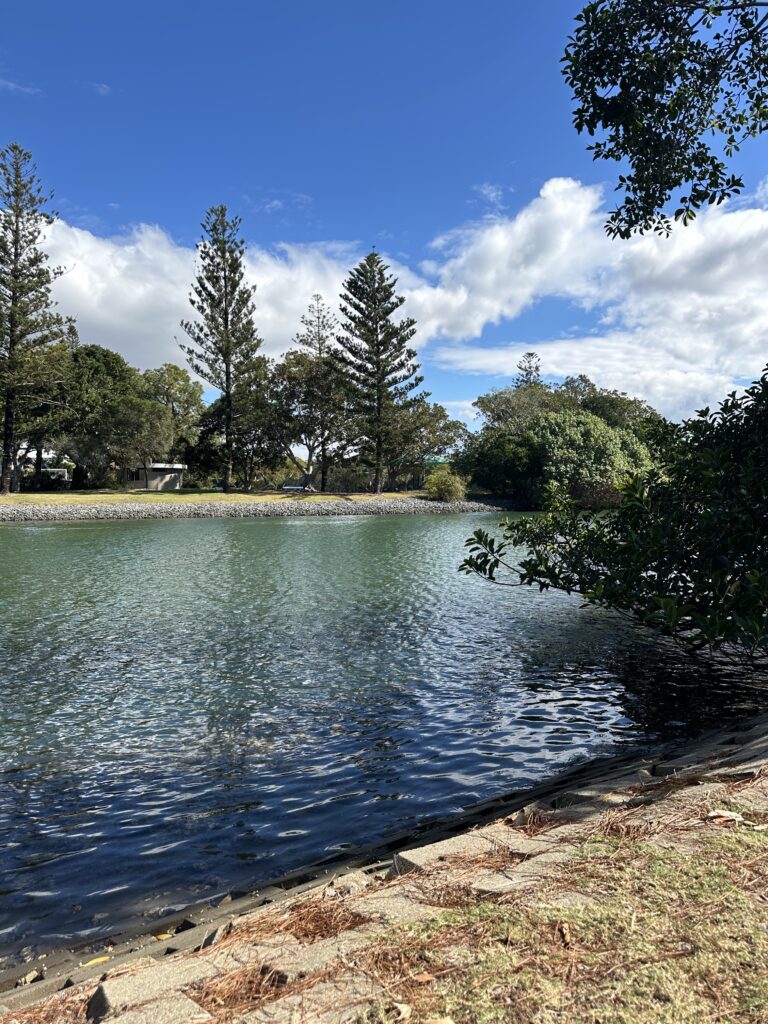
point(444, 485)
point(686, 552)
point(579, 453)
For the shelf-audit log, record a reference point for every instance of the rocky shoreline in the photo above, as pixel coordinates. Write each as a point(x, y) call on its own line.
point(41, 512)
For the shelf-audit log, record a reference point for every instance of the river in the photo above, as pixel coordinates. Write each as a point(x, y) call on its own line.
point(190, 706)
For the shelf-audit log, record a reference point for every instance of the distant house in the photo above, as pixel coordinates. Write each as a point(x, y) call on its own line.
point(160, 476)
point(60, 475)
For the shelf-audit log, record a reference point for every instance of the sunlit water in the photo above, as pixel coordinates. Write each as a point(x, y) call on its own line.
point(192, 706)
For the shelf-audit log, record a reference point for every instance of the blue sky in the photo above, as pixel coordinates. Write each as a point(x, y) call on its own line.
point(331, 127)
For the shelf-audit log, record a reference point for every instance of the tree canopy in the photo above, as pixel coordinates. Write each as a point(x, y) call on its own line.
point(686, 552)
point(224, 339)
point(672, 88)
point(575, 434)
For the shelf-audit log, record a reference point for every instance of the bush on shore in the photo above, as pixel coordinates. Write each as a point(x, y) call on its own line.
point(444, 485)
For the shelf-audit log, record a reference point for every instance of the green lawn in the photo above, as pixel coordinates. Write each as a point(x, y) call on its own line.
point(174, 497)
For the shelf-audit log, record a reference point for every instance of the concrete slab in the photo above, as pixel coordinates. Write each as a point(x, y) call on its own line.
point(394, 906)
point(600, 797)
point(352, 881)
point(340, 1001)
point(521, 876)
point(302, 961)
point(240, 953)
point(128, 990)
point(174, 1009)
point(499, 883)
point(478, 843)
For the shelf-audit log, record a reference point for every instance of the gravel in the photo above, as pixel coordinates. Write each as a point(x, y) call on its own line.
point(241, 510)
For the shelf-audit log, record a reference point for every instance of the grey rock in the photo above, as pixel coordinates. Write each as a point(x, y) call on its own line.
point(240, 510)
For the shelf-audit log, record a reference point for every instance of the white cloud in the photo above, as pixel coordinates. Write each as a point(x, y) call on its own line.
point(130, 292)
point(463, 409)
point(490, 194)
point(491, 271)
point(278, 201)
point(681, 318)
point(7, 85)
point(674, 320)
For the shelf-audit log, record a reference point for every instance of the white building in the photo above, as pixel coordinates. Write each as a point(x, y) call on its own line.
point(160, 476)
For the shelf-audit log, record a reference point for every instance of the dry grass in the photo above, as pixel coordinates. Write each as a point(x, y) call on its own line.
point(668, 937)
point(309, 920)
point(241, 990)
point(184, 497)
point(321, 919)
point(65, 1008)
point(535, 822)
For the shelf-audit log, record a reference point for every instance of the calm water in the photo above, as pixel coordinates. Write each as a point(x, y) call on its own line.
point(191, 706)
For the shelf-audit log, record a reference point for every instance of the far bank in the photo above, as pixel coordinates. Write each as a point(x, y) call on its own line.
point(67, 506)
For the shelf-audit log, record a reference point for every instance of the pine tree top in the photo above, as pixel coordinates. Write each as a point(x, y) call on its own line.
point(373, 347)
point(224, 338)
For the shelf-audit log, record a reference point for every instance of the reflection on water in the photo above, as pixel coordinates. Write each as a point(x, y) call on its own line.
point(189, 706)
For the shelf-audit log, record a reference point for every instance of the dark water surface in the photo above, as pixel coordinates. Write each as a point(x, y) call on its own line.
point(192, 705)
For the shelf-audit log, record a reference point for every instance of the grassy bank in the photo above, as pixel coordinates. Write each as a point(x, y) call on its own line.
point(186, 497)
point(628, 931)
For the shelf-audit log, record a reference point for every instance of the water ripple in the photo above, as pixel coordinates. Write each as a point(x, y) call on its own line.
point(192, 706)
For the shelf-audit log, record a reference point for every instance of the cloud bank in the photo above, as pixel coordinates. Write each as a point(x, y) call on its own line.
point(678, 321)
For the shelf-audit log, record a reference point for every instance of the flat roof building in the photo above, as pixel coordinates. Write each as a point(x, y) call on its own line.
point(160, 476)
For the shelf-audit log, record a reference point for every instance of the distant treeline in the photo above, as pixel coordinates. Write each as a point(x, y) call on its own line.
point(342, 409)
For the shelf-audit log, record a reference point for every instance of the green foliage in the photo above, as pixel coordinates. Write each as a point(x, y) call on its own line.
point(224, 338)
point(28, 323)
point(686, 552)
point(580, 453)
point(444, 485)
point(110, 417)
point(498, 461)
point(172, 387)
point(142, 431)
point(580, 437)
point(312, 397)
point(256, 435)
point(417, 431)
point(673, 87)
point(373, 355)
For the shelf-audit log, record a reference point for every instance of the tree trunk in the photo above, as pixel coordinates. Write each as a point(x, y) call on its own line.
point(39, 465)
point(309, 469)
point(323, 467)
point(377, 481)
point(378, 474)
point(8, 442)
point(227, 439)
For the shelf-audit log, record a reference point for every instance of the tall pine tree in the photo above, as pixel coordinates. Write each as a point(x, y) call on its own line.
point(374, 356)
point(27, 318)
point(224, 340)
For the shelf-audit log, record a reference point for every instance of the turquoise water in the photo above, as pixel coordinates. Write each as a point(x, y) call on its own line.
point(190, 706)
